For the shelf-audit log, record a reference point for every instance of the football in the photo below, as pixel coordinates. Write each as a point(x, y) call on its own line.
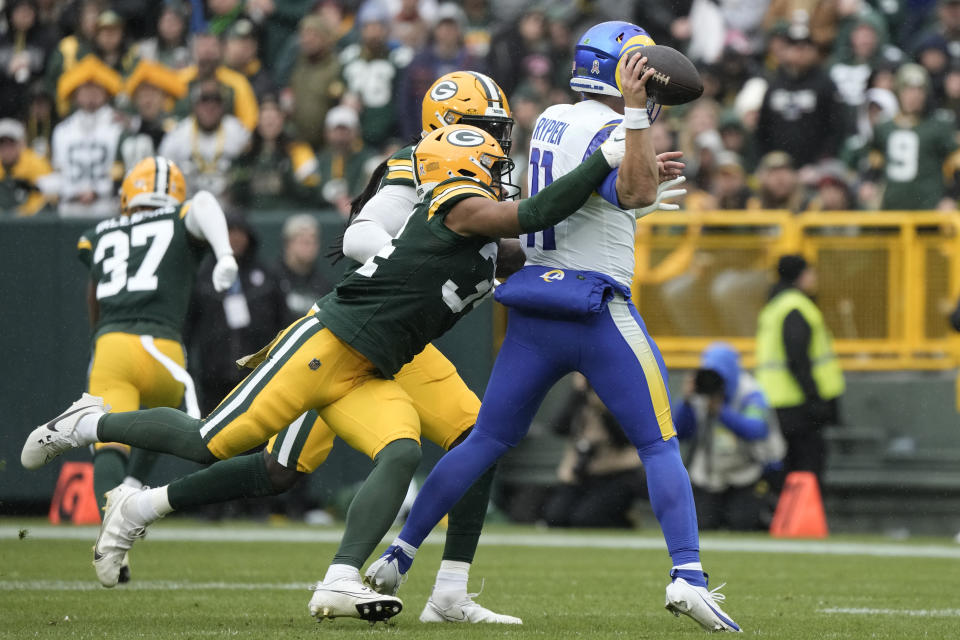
point(676, 80)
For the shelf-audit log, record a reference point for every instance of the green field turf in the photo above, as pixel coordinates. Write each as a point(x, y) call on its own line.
point(564, 585)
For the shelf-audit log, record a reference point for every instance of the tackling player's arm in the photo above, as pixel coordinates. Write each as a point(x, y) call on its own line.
point(510, 257)
point(379, 221)
point(495, 219)
point(639, 173)
point(204, 220)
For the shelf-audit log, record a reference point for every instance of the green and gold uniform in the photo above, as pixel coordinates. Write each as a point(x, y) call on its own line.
point(444, 403)
point(142, 267)
point(342, 360)
point(913, 159)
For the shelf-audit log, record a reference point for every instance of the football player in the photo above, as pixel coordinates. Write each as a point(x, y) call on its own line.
point(342, 360)
point(142, 266)
point(570, 310)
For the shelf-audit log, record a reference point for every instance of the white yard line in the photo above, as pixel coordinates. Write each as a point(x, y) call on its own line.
point(544, 539)
point(924, 613)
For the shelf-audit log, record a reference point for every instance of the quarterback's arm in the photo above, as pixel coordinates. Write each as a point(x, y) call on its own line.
point(494, 219)
point(205, 220)
point(639, 173)
point(380, 220)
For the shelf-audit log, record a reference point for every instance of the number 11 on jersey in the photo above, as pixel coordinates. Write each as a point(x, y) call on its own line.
point(540, 160)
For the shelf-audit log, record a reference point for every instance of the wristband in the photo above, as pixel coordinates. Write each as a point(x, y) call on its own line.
point(635, 118)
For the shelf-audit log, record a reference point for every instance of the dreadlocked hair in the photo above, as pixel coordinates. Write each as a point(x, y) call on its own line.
point(335, 249)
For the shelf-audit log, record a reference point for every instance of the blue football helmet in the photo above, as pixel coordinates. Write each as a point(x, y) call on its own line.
point(598, 53)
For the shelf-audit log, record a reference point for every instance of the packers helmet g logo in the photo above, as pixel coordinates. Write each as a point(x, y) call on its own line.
point(444, 90)
point(465, 138)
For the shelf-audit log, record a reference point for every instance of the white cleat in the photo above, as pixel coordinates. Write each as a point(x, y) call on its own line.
point(348, 598)
point(464, 610)
point(699, 604)
point(49, 440)
point(117, 535)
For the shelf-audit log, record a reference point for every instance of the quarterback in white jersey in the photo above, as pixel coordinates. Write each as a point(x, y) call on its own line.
point(570, 310)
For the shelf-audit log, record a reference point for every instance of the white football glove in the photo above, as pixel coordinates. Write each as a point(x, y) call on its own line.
point(224, 273)
point(664, 192)
point(615, 146)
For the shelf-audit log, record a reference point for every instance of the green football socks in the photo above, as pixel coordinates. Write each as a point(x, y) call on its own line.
point(375, 506)
point(163, 430)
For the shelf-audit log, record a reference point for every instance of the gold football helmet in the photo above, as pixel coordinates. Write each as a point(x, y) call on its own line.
point(468, 97)
point(460, 151)
point(153, 182)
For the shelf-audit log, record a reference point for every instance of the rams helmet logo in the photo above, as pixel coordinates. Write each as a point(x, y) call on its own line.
point(553, 274)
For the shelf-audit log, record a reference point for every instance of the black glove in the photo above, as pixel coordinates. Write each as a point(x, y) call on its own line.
point(955, 318)
point(821, 412)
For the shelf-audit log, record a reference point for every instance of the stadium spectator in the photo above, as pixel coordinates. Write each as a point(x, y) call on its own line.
point(932, 54)
point(222, 327)
point(514, 44)
point(109, 43)
point(833, 190)
point(343, 164)
point(73, 48)
point(800, 113)
point(737, 139)
point(946, 25)
point(409, 25)
point(730, 189)
point(23, 55)
point(169, 45)
point(444, 53)
point(600, 474)
point(152, 89)
point(879, 106)
point(239, 97)
point(205, 144)
point(734, 439)
point(85, 144)
point(278, 21)
point(240, 53)
point(315, 80)
point(912, 150)
point(40, 118)
point(277, 172)
point(796, 365)
point(851, 66)
point(25, 185)
point(779, 184)
point(371, 72)
point(476, 32)
point(300, 278)
point(222, 15)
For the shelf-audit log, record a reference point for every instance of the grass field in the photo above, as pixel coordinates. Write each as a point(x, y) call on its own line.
point(251, 581)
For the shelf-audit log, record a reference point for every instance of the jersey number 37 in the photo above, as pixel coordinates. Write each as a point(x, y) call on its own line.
point(114, 249)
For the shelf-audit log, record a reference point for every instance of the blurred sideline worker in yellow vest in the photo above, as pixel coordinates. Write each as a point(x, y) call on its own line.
point(796, 366)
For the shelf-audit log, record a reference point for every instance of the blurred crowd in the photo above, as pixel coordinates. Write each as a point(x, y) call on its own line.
point(281, 105)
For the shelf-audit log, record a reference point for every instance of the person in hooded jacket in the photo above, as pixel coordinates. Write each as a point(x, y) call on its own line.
point(735, 442)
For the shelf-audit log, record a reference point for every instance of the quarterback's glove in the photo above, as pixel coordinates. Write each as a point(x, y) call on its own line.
point(664, 192)
point(224, 273)
point(615, 146)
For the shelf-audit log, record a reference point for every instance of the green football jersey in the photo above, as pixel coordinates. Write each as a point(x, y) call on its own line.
point(417, 287)
point(143, 266)
point(913, 161)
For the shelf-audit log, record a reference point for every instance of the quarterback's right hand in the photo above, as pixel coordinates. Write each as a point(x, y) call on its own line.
point(224, 273)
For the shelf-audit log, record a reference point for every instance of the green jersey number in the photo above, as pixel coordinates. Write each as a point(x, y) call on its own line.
point(903, 155)
point(155, 235)
point(449, 289)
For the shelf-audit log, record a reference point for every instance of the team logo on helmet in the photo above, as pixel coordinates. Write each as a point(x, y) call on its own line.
point(465, 138)
point(444, 90)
